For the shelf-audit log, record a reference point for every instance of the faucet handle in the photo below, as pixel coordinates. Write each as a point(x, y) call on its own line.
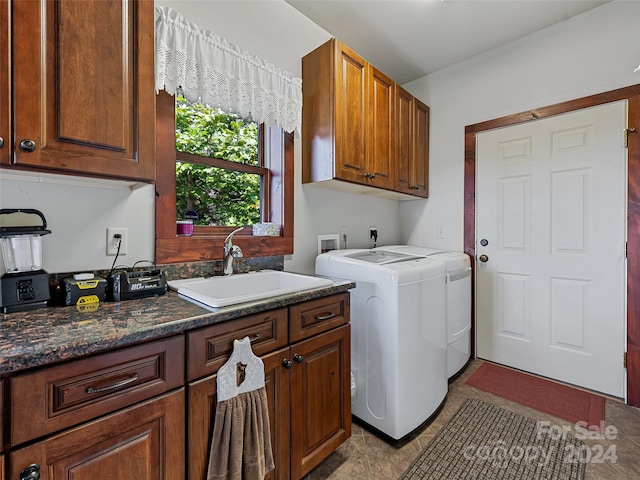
point(232, 234)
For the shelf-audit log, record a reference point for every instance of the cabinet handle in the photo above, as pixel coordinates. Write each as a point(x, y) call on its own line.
point(32, 472)
point(255, 338)
point(286, 363)
point(326, 316)
point(28, 145)
point(122, 383)
point(298, 358)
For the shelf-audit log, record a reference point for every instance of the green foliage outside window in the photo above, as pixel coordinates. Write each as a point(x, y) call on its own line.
point(222, 197)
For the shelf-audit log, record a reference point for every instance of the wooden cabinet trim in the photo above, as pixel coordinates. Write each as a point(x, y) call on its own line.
point(53, 398)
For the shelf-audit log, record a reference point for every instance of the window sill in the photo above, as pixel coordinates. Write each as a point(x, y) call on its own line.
point(199, 248)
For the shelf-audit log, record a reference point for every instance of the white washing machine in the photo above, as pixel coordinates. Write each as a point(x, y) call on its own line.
point(458, 301)
point(398, 335)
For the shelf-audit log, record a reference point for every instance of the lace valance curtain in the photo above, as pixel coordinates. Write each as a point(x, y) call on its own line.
point(210, 70)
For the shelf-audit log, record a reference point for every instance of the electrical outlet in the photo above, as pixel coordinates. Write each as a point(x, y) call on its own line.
point(373, 233)
point(442, 231)
point(112, 241)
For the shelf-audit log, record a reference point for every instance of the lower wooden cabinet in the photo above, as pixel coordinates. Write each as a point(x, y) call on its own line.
point(127, 414)
point(143, 441)
point(309, 406)
point(320, 398)
point(202, 408)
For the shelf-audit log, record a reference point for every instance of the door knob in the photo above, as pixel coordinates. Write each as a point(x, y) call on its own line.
point(483, 258)
point(28, 145)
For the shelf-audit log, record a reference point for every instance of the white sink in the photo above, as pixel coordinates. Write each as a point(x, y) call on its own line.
point(245, 287)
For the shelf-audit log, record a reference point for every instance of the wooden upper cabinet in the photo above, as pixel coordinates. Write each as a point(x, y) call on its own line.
point(381, 152)
point(350, 114)
point(5, 88)
point(412, 147)
point(351, 105)
point(83, 87)
point(404, 140)
point(421, 149)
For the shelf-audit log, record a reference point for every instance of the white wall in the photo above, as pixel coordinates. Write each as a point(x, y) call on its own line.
point(291, 35)
point(78, 215)
point(592, 53)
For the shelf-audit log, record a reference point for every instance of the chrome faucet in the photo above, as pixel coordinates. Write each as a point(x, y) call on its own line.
point(231, 251)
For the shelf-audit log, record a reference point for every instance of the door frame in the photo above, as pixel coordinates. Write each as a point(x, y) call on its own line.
point(632, 95)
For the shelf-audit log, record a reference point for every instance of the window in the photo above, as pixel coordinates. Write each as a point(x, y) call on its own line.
point(221, 176)
point(274, 167)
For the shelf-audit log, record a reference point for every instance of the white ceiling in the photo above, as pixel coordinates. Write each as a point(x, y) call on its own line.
point(408, 39)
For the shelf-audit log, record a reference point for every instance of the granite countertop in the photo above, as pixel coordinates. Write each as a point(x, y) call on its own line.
point(48, 335)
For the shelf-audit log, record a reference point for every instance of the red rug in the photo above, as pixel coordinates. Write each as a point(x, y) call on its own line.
point(544, 395)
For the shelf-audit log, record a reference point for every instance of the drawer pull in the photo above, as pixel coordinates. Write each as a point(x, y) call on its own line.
point(122, 383)
point(326, 316)
point(255, 337)
point(32, 472)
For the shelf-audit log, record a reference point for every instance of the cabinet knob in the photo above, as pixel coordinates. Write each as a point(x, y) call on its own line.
point(28, 145)
point(1, 142)
point(298, 358)
point(32, 472)
point(286, 363)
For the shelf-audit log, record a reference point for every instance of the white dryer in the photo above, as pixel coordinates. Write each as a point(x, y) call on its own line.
point(458, 301)
point(398, 335)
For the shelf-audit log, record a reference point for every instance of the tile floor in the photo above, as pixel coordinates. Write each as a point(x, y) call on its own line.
point(366, 457)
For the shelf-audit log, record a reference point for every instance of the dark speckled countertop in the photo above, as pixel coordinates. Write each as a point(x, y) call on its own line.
point(49, 335)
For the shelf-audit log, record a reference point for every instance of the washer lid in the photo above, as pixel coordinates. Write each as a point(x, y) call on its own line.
point(382, 257)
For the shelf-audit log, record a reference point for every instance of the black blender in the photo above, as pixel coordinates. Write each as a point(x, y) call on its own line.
point(23, 284)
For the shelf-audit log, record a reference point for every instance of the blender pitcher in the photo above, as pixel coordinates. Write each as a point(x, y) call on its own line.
point(23, 284)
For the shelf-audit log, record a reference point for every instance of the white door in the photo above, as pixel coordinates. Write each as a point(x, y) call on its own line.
point(551, 209)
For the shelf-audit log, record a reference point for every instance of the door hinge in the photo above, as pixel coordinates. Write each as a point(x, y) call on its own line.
point(624, 360)
point(625, 249)
point(627, 131)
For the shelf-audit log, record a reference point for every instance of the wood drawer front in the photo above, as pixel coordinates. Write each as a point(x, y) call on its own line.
point(57, 397)
point(316, 316)
point(1, 417)
point(211, 347)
